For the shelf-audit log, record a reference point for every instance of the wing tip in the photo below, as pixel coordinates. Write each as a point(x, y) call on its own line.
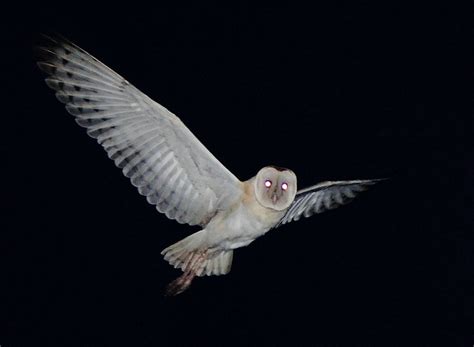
point(376, 180)
point(55, 39)
point(46, 43)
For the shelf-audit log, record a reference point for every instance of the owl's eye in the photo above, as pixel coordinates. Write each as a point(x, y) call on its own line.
point(268, 183)
point(284, 186)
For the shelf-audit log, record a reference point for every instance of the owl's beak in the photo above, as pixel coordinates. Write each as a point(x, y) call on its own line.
point(274, 197)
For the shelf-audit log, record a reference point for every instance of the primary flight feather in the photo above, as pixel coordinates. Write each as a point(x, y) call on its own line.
point(176, 172)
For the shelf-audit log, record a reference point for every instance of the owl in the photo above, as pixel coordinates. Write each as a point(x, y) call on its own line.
point(175, 172)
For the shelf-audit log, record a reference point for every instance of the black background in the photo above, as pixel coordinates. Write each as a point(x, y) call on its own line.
point(341, 91)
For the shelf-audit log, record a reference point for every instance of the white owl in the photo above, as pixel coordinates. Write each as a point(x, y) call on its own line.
point(175, 172)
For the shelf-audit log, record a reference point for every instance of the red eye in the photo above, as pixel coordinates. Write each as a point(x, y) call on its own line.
point(268, 183)
point(284, 186)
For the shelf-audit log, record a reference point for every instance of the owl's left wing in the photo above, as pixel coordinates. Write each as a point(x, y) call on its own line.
point(151, 145)
point(322, 197)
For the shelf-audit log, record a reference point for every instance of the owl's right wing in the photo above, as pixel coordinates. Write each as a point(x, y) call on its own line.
point(160, 155)
point(322, 197)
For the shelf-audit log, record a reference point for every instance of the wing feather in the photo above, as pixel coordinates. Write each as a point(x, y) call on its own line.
point(322, 197)
point(162, 158)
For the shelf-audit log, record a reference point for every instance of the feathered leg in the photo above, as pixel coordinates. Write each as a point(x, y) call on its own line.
point(193, 267)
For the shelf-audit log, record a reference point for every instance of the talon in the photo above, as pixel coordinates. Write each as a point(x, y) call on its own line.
point(192, 265)
point(180, 284)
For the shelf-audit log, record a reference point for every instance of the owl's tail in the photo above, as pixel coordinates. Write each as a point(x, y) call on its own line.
point(190, 253)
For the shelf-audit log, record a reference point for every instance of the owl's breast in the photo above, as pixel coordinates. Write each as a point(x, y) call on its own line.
point(241, 225)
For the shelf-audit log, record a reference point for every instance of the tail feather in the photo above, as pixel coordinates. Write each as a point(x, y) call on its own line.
point(220, 264)
point(180, 253)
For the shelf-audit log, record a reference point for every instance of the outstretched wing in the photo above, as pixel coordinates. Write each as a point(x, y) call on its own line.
point(323, 196)
point(160, 155)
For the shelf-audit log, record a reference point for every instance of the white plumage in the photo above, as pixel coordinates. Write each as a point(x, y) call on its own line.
point(175, 172)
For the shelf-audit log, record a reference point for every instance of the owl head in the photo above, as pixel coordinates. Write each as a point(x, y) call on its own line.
point(275, 187)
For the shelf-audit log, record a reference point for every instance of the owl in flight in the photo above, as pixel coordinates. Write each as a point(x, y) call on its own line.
point(175, 172)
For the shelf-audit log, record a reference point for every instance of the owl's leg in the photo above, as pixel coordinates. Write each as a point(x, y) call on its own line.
point(194, 264)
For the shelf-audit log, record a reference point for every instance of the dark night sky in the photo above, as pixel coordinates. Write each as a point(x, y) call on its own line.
point(359, 90)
